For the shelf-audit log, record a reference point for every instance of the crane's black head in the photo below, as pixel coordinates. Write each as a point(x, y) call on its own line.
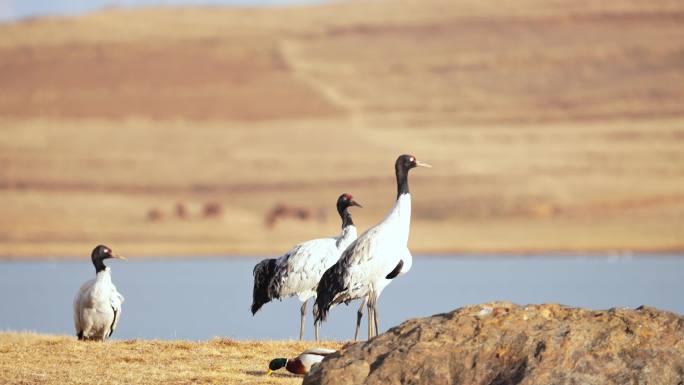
point(343, 203)
point(276, 364)
point(401, 167)
point(346, 200)
point(99, 254)
point(406, 162)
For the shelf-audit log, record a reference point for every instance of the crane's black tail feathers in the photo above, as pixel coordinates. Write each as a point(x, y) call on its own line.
point(263, 274)
point(330, 285)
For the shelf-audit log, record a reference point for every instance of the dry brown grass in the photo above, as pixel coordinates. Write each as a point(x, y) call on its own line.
point(551, 126)
point(42, 359)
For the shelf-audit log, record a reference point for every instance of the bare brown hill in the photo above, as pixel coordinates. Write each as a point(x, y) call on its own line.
point(551, 125)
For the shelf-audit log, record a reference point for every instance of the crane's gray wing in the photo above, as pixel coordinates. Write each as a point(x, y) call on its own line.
point(344, 281)
point(299, 271)
point(80, 301)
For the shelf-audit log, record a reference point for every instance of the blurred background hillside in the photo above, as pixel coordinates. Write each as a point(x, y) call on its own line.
point(204, 130)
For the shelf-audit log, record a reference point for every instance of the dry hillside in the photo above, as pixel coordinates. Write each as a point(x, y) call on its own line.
point(552, 125)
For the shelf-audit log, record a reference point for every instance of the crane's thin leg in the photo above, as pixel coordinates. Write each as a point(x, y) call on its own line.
point(370, 318)
point(375, 317)
point(359, 315)
point(317, 328)
point(301, 321)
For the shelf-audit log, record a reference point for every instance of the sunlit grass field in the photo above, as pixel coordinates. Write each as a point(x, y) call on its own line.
point(27, 358)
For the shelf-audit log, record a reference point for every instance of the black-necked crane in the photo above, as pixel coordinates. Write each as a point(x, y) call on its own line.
point(371, 262)
point(97, 305)
point(298, 271)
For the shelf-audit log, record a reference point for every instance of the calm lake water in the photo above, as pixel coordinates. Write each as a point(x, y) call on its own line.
point(201, 299)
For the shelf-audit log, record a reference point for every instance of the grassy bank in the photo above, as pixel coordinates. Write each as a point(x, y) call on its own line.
point(27, 358)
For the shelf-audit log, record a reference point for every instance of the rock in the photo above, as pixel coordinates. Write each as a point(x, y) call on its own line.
point(502, 343)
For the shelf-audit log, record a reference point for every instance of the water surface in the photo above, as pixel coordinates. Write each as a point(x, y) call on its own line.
point(200, 299)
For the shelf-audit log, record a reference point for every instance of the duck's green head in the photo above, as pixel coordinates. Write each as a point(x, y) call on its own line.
point(276, 364)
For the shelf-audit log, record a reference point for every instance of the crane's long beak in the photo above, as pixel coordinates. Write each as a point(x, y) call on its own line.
point(269, 372)
point(355, 203)
point(117, 256)
point(421, 164)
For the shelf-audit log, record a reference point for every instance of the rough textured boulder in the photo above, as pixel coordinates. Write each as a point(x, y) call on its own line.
point(502, 343)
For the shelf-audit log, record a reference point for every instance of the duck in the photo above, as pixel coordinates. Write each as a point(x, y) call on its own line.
point(374, 259)
point(97, 304)
point(297, 272)
point(302, 363)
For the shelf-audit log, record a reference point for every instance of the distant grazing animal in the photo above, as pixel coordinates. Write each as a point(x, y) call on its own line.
point(282, 211)
point(372, 261)
point(302, 363)
point(298, 271)
point(97, 305)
